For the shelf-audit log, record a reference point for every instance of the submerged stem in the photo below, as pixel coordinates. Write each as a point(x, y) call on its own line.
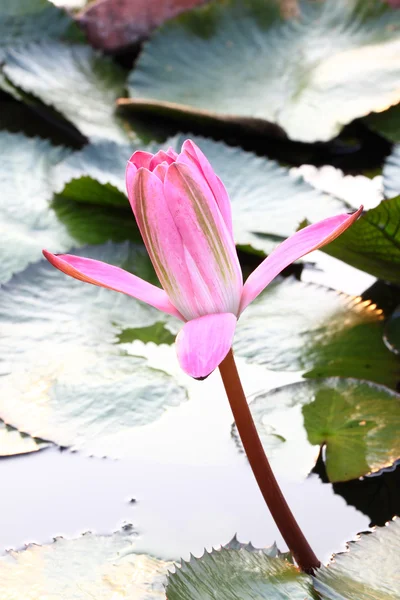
point(263, 473)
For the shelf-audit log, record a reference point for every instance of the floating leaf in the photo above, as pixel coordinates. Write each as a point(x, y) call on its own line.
point(265, 198)
point(392, 332)
point(14, 442)
point(370, 568)
point(242, 61)
point(92, 566)
point(372, 243)
point(30, 221)
point(23, 21)
point(386, 123)
point(391, 173)
point(357, 422)
point(233, 574)
point(66, 375)
point(302, 327)
point(113, 25)
point(79, 83)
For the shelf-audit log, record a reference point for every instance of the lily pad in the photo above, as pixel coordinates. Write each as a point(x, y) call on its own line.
point(297, 326)
point(386, 123)
point(14, 442)
point(372, 244)
point(355, 421)
point(233, 574)
point(391, 173)
point(30, 220)
point(83, 88)
point(392, 332)
point(369, 569)
point(91, 566)
point(66, 376)
point(23, 21)
point(268, 204)
point(243, 61)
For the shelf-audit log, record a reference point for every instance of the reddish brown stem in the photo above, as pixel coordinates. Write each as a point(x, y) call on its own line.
point(259, 463)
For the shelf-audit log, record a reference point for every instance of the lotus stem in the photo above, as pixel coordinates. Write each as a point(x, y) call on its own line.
point(269, 487)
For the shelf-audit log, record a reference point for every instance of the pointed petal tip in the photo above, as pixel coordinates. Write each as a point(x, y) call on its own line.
point(203, 343)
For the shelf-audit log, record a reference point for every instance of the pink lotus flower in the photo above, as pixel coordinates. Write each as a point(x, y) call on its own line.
point(184, 215)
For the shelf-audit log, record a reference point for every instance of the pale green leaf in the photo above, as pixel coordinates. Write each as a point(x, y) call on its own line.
point(242, 61)
point(91, 566)
point(66, 373)
point(369, 570)
point(356, 421)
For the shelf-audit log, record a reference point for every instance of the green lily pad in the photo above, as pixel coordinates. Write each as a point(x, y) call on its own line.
point(372, 244)
point(91, 566)
point(242, 61)
point(265, 198)
point(66, 376)
point(370, 568)
point(23, 21)
point(297, 326)
point(30, 220)
point(356, 421)
point(386, 123)
point(233, 574)
point(14, 442)
point(79, 83)
point(391, 173)
point(392, 332)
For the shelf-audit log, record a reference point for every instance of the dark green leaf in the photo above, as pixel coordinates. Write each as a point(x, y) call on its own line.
point(392, 332)
point(386, 123)
point(302, 327)
point(235, 60)
point(369, 570)
point(67, 377)
point(234, 574)
point(372, 244)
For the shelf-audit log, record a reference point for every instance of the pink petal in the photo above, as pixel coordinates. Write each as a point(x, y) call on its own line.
point(158, 158)
point(203, 343)
point(172, 153)
point(163, 240)
point(214, 265)
point(113, 278)
point(192, 151)
point(302, 242)
point(141, 159)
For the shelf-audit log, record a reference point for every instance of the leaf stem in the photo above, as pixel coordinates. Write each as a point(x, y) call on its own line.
point(263, 473)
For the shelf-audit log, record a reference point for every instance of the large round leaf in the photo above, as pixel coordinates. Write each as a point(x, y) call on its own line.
point(303, 327)
point(357, 422)
point(79, 83)
point(92, 566)
point(241, 60)
point(23, 21)
point(234, 574)
point(66, 377)
point(265, 198)
point(30, 221)
point(370, 568)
